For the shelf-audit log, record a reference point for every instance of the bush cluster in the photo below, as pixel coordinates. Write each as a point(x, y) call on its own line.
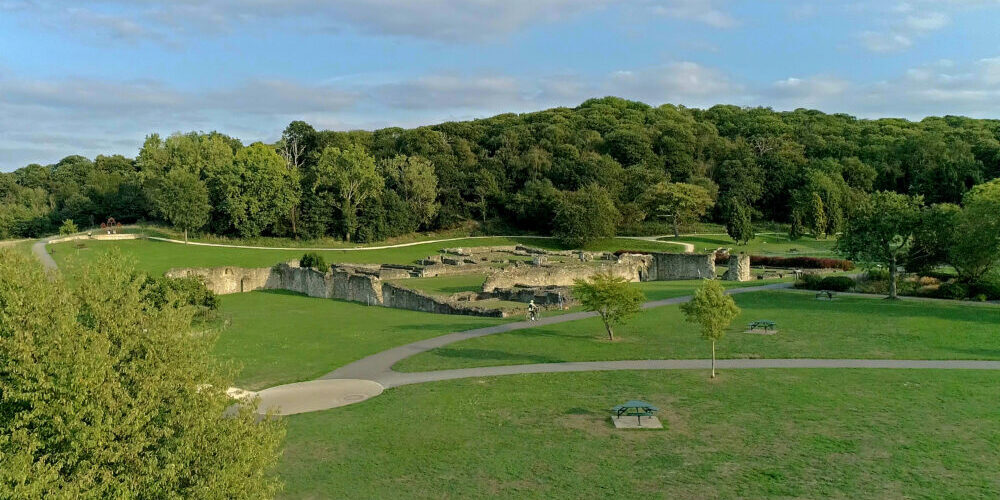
point(811, 281)
point(722, 258)
point(177, 292)
point(315, 261)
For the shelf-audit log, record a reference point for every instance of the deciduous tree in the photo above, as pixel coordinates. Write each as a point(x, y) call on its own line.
point(108, 393)
point(880, 231)
point(713, 311)
point(611, 297)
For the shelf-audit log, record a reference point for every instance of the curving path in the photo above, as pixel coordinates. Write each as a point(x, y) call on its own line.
point(38, 248)
point(335, 388)
point(369, 376)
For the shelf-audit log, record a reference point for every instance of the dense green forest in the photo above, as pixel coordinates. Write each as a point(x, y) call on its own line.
point(607, 166)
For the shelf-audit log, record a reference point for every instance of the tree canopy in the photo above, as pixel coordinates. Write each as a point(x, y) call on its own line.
point(754, 164)
point(106, 391)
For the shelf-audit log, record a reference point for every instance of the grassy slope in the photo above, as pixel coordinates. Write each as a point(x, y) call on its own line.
point(157, 257)
point(749, 434)
point(280, 337)
point(765, 244)
point(848, 327)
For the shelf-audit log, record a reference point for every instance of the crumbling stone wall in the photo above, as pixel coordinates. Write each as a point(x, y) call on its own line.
point(739, 268)
point(400, 297)
point(681, 266)
point(338, 283)
point(563, 275)
point(226, 280)
point(543, 296)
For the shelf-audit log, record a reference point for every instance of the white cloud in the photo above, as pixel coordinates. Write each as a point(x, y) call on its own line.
point(885, 42)
point(442, 20)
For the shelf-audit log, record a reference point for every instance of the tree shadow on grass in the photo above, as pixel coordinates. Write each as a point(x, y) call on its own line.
point(493, 355)
point(980, 353)
point(860, 306)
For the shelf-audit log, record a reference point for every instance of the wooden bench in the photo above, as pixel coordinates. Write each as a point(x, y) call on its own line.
point(829, 294)
point(764, 324)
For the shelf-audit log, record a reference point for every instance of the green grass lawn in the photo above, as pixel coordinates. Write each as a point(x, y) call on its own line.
point(748, 434)
point(157, 257)
point(764, 244)
point(281, 337)
point(848, 327)
point(445, 285)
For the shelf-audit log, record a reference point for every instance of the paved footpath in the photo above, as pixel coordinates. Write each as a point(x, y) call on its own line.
point(368, 377)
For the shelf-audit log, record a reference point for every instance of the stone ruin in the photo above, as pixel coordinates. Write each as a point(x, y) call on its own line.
point(514, 274)
point(738, 268)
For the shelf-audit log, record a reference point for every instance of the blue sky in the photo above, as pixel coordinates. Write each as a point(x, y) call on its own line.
point(96, 77)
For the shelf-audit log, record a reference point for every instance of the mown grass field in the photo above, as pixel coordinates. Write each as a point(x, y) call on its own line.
point(763, 244)
point(748, 434)
point(281, 337)
point(848, 327)
point(156, 257)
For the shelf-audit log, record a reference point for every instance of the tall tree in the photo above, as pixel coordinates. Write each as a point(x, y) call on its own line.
point(739, 225)
point(585, 215)
point(611, 297)
point(975, 248)
point(880, 231)
point(106, 394)
point(352, 174)
point(414, 179)
point(182, 200)
point(678, 202)
point(817, 217)
point(256, 191)
point(713, 311)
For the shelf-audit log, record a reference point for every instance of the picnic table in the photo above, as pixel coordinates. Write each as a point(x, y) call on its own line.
point(828, 293)
point(762, 323)
point(635, 408)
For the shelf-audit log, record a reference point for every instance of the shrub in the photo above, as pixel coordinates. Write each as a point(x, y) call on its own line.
point(955, 291)
point(315, 261)
point(837, 283)
point(68, 227)
point(177, 292)
point(810, 281)
point(988, 289)
point(877, 275)
point(801, 262)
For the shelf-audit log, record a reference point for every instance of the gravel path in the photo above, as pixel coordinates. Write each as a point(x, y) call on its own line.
point(379, 365)
point(39, 250)
point(395, 379)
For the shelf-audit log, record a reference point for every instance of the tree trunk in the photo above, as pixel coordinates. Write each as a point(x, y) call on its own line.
point(713, 359)
point(677, 233)
point(185, 236)
point(892, 277)
point(611, 334)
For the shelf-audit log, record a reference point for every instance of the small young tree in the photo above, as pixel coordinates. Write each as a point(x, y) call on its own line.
point(880, 231)
point(68, 227)
point(611, 297)
point(713, 311)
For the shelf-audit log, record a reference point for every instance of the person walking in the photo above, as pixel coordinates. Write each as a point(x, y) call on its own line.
point(532, 311)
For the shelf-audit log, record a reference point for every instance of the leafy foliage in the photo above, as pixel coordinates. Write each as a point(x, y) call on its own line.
point(105, 394)
point(611, 297)
point(315, 261)
point(712, 310)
